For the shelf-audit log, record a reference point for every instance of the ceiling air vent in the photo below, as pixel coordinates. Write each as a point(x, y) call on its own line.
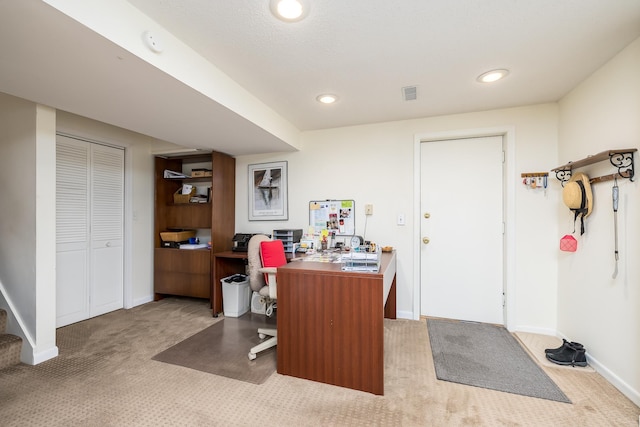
point(410, 93)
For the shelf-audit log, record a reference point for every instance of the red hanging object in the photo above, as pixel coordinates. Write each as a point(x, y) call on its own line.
point(568, 243)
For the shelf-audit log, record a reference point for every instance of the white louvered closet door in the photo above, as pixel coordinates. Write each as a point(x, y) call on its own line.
point(89, 229)
point(107, 196)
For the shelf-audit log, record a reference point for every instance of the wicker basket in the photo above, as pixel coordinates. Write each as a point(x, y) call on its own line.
point(183, 198)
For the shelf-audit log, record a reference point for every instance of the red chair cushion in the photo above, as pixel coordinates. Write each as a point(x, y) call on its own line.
point(272, 253)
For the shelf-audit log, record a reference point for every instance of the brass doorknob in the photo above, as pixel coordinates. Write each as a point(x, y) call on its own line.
point(427, 215)
point(425, 240)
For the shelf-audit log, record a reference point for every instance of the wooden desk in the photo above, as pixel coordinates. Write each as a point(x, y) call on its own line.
point(330, 322)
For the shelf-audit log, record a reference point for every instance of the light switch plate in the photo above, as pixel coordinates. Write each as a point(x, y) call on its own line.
point(401, 220)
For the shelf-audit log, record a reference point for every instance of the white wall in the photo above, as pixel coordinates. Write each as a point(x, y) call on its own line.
point(603, 313)
point(374, 164)
point(27, 247)
point(45, 249)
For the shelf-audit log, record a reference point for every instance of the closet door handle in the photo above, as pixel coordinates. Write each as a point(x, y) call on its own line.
point(108, 244)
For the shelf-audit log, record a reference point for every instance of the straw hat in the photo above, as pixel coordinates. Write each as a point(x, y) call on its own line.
point(572, 194)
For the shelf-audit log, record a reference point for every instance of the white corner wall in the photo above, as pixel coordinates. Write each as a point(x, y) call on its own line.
point(374, 164)
point(595, 309)
point(27, 247)
point(45, 249)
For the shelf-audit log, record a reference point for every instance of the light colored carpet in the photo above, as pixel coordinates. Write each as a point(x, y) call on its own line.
point(536, 344)
point(488, 356)
point(104, 376)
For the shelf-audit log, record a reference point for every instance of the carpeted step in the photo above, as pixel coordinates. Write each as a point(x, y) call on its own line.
point(3, 321)
point(10, 348)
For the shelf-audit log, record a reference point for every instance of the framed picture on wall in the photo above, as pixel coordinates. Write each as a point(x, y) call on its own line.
point(268, 192)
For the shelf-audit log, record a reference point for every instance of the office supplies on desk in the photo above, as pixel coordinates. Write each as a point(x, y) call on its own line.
point(289, 237)
point(361, 261)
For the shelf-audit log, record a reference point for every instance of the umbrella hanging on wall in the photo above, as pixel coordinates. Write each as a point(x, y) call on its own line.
point(615, 196)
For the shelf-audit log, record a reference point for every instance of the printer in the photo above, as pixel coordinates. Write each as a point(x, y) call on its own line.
point(241, 241)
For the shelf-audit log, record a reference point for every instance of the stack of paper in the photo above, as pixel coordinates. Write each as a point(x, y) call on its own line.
point(193, 246)
point(172, 174)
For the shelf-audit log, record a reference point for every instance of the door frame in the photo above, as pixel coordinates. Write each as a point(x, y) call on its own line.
point(508, 134)
point(128, 209)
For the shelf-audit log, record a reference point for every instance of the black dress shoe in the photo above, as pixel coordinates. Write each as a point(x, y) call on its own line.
point(569, 355)
point(565, 343)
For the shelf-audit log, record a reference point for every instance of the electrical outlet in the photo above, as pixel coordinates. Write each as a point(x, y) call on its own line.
point(368, 209)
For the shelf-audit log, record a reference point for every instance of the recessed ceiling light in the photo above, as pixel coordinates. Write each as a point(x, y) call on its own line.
point(492, 76)
point(327, 98)
point(289, 10)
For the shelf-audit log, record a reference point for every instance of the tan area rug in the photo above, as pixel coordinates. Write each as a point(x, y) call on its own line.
point(222, 349)
point(536, 344)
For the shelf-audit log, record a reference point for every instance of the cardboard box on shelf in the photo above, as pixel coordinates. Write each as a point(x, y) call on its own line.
point(177, 236)
point(199, 173)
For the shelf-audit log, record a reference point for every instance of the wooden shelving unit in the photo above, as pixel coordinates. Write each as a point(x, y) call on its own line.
point(189, 272)
point(622, 159)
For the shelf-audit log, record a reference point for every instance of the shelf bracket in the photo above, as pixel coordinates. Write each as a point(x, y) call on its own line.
point(624, 163)
point(563, 175)
point(622, 160)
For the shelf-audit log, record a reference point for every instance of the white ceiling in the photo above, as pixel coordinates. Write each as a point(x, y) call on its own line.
point(364, 51)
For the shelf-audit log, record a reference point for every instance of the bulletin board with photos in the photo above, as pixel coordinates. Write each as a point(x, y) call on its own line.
point(336, 216)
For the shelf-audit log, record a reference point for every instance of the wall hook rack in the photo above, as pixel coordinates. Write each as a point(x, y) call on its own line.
point(533, 174)
point(621, 159)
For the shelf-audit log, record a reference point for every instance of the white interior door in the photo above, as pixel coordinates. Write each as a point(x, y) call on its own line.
point(107, 215)
point(462, 218)
point(72, 232)
point(89, 230)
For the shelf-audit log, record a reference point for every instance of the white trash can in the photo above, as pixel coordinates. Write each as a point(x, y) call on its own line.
point(235, 295)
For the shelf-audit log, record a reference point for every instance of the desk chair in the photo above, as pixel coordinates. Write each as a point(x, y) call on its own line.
point(264, 258)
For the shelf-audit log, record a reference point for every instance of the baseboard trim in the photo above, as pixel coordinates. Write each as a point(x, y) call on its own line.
point(43, 356)
point(534, 330)
point(615, 380)
point(140, 301)
point(404, 315)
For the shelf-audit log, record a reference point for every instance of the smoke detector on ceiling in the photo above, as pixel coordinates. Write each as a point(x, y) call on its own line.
point(410, 93)
point(152, 42)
